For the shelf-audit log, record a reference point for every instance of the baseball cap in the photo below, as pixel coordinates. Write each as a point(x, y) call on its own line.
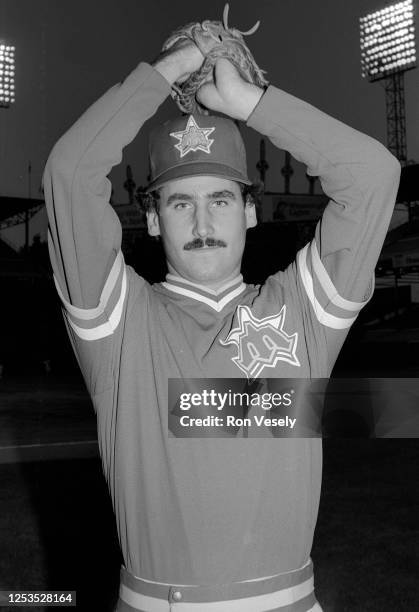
point(196, 145)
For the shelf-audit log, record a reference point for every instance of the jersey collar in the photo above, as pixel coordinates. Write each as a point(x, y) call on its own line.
point(215, 298)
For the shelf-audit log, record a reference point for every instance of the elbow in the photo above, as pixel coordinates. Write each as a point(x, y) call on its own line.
point(55, 158)
point(387, 162)
point(383, 168)
point(50, 167)
point(393, 166)
point(393, 171)
point(58, 163)
point(50, 174)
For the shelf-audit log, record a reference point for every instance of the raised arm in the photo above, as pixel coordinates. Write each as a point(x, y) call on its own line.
point(359, 175)
point(84, 230)
point(334, 274)
point(361, 178)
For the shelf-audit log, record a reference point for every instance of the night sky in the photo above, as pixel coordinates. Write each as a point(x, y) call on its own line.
point(69, 53)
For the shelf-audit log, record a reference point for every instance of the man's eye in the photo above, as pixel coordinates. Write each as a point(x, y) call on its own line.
point(220, 203)
point(181, 205)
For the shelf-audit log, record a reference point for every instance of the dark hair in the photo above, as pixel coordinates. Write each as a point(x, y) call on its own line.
point(149, 202)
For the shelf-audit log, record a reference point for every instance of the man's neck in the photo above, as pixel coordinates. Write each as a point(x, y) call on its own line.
point(209, 285)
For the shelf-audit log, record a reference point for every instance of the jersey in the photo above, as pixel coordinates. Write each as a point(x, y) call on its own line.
point(213, 510)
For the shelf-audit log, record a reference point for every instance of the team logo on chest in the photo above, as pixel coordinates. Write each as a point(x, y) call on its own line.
point(193, 138)
point(261, 343)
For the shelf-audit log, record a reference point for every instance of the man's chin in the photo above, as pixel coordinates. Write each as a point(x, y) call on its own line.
point(206, 274)
point(214, 267)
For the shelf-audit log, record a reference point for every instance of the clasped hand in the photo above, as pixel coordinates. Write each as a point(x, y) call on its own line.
point(228, 93)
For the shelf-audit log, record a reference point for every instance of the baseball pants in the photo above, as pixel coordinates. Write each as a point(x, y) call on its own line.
point(289, 592)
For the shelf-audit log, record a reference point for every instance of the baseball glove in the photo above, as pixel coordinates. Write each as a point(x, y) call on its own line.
point(214, 39)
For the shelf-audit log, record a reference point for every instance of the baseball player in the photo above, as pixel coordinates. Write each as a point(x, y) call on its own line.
point(209, 524)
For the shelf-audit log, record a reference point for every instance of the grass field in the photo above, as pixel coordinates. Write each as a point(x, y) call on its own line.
point(57, 529)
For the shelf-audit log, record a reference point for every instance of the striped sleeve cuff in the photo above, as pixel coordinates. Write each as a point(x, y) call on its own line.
point(330, 308)
point(96, 323)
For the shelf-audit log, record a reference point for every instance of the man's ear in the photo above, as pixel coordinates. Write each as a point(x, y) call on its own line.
point(153, 223)
point(250, 212)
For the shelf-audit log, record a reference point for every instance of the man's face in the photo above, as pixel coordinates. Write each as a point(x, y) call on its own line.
point(202, 222)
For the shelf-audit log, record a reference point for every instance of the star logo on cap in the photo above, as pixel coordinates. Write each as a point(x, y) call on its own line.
point(193, 138)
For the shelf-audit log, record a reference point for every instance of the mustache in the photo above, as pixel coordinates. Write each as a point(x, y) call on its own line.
point(198, 243)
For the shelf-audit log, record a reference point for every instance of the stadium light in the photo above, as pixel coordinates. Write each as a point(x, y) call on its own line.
point(388, 50)
point(7, 75)
point(388, 41)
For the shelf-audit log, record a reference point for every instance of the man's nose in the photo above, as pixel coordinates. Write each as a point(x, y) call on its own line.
point(202, 224)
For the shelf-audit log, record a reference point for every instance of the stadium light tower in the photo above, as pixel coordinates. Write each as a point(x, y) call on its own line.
point(387, 51)
point(7, 75)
